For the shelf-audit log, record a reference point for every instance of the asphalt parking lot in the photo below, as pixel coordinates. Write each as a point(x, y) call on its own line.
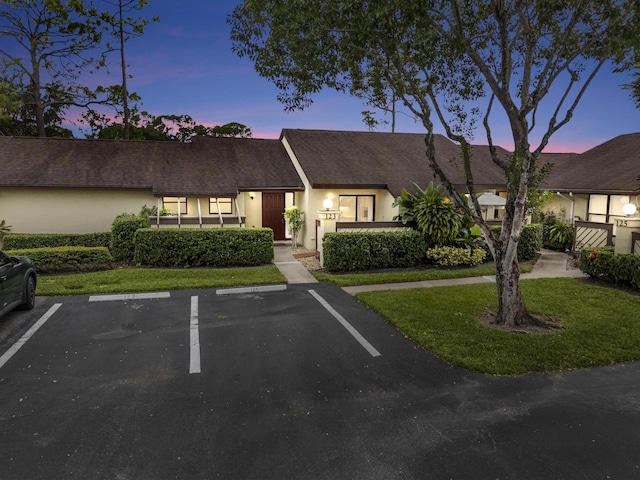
point(296, 382)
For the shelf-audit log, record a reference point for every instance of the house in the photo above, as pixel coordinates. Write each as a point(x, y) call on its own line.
point(596, 185)
point(52, 185)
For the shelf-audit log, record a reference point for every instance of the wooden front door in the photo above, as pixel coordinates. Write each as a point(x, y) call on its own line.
point(272, 213)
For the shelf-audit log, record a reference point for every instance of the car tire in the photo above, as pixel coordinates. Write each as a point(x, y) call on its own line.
point(29, 294)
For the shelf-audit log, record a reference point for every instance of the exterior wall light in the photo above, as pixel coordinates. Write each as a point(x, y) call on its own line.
point(328, 203)
point(629, 209)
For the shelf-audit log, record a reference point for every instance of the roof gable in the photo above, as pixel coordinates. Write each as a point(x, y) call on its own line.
point(383, 160)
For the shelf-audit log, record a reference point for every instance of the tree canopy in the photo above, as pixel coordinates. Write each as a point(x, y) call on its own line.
point(464, 64)
point(46, 46)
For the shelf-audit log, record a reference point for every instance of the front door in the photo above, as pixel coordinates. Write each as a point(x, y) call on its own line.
point(272, 213)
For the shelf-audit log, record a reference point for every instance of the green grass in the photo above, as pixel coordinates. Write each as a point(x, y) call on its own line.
point(601, 325)
point(152, 279)
point(367, 278)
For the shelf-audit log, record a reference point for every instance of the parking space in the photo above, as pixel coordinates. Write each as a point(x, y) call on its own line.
point(95, 376)
point(300, 382)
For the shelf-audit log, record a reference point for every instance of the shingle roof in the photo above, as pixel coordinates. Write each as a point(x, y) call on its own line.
point(335, 159)
point(206, 166)
point(612, 167)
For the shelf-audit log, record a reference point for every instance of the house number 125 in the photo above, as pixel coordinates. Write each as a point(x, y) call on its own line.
point(621, 223)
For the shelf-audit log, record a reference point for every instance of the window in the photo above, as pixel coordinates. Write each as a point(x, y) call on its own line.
point(173, 205)
point(357, 208)
point(599, 208)
point(225, 204)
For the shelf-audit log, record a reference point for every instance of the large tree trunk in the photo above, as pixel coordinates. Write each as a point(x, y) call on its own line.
point(511, 307)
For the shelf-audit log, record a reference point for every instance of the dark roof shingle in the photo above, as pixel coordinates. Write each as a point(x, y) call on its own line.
point(206, 166)
point(383, 160)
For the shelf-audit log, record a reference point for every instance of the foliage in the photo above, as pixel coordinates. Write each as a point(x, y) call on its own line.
point(469, 237)
point(530, 242)
point(125, 280)
point(560, 235)
point(604, 264)
point(4, 231)
point(145, 126)
point(65, 259)
point(51, 240)
point(537, 199)
point(294, 216)
point(123, 231)
point(146, 212)
point(460, 63)
point(47, 44)
point(432, 212)
point(215, 247)
point(455, 256)
point(557, 232)
point(347, 251)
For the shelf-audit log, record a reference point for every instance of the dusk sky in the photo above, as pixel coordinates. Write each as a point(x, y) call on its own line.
point(184, 65)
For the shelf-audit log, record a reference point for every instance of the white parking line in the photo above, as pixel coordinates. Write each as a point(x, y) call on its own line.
point(129, 296)
point(194, 337)
point(18, 345)
point(367, 346)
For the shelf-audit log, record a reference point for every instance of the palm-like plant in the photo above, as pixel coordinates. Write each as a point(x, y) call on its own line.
point(432, 211)
point(4, 231)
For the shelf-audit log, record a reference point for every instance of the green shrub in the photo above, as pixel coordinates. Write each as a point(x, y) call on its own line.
point(351, 251)
point(455, 256)
point(530, 241)
point(123, 230)
point(67, 259)
point(604, 264)
point(49, 240)
point(219, 247)
point(432, 212)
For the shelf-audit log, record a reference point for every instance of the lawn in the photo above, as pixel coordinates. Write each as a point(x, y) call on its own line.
point(127, 280)
point(601, 325)
point(371, 278)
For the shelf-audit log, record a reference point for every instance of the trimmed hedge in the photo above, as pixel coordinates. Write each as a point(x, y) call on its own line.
point(20, 241)
point(530, 241)
point(67, 259)
point(123, 231)
point(604, 264)
point(349, 251)
point(217, 247)
point(455, 256)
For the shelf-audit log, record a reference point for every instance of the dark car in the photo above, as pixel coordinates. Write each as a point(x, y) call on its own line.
point(17, 283)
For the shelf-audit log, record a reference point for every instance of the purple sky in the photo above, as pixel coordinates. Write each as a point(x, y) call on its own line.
point(184, 65)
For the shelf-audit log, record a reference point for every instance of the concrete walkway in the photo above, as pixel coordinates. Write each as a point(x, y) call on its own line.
point(551, 264)
point(292, 269)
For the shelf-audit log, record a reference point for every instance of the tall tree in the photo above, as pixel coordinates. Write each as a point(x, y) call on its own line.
point(123, 28)
point(145, 126)
point(461, 63)
point(47, 45)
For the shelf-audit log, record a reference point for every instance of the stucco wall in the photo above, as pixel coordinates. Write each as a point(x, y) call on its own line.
point(311, 202)
point(562, 203)
point(68, 211)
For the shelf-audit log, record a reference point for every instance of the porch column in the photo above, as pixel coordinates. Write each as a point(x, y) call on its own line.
point(199, 213)
point(235, 199)
point(327, 220)
point(624, 227)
